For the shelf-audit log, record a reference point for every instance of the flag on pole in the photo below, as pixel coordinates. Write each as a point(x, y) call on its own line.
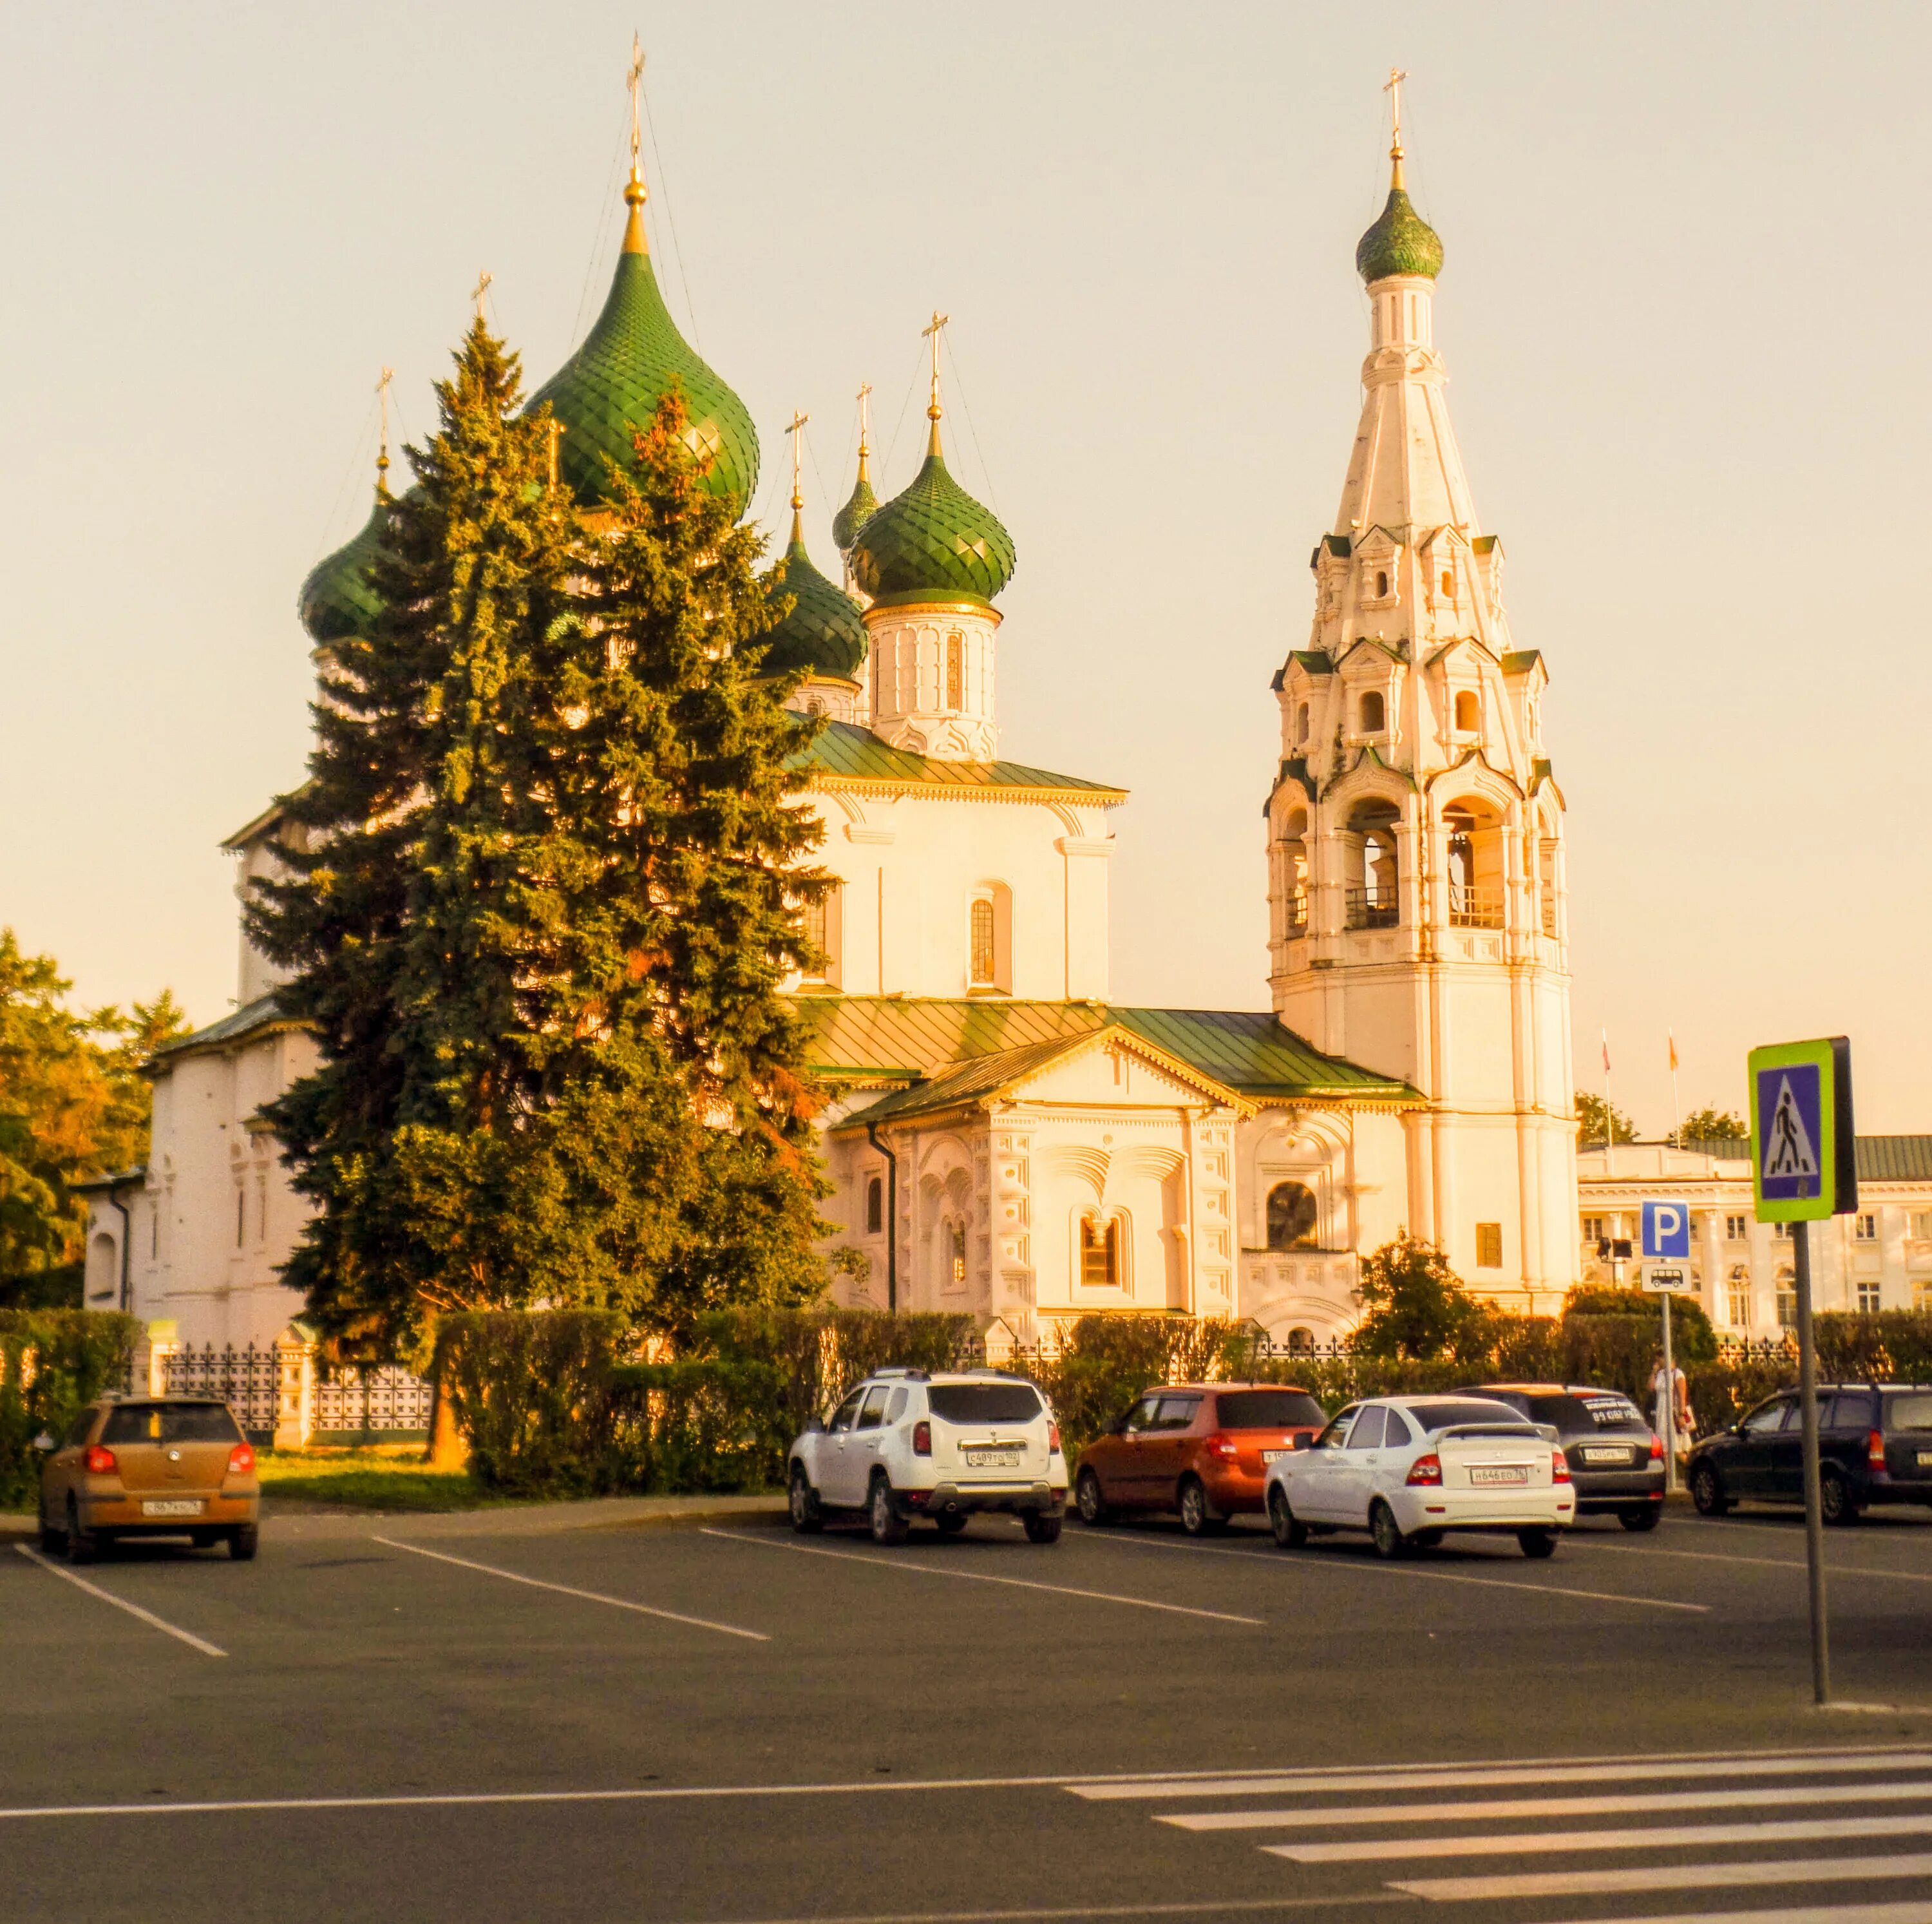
point(1606, 1051)
point(1673, 1051)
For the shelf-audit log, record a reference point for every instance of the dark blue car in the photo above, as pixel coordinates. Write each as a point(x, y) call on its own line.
point(1874, 1446)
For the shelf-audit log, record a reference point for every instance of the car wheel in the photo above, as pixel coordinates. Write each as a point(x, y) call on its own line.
point(241, 1542)
point(1389, 1541)
point(53, 1541)
point(806, 1516)
point(1835, 1499)
point(1290, 1531)
point(952, 1524)
point(889, 1527)
point(83, 1546)
point(1041, 1528)
point(1707, 1492)
point(1644, 1517)
point(1094, 1509)
point(1537, 1542)
point(1197, 1514)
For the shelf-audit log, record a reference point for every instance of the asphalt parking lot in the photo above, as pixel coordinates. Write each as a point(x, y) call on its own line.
point(501, 1716)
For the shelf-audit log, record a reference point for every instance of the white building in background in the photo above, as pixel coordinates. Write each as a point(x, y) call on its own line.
point(1004, 1139)
point(1879, 1258)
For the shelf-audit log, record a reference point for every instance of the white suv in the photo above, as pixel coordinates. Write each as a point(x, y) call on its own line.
point(910, 1443)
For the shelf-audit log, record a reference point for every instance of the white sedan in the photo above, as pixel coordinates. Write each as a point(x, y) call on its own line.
point(1406, 1469)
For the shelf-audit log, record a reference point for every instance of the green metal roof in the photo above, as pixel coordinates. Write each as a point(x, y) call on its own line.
point(928, 1039)
point(1894, 1158)
point(1520, 660)
point(1401, 242)
point(860, 507)
point(933, 542)
point(845, 752)
point(615, 380)
point(821, 632)
point(336, 601)
point(264, 1013)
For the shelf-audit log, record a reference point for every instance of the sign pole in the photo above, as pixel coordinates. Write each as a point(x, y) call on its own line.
point(1669, 1404)
point(1814, 1515)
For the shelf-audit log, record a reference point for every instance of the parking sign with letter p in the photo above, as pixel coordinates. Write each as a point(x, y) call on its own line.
point(1666, 1230)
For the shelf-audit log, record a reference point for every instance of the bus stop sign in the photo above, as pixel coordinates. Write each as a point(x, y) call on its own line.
point(1803, 1150)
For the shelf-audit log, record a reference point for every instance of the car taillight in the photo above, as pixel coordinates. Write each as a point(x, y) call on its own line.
point(100, 1462)
point(241, 1460)
point(1222, 1448)
point(921, 1439)
point(1053, 1439)
point(1875, 1450)
point(1426, 1470)
point(1656, 1448)
point(1559, 1467)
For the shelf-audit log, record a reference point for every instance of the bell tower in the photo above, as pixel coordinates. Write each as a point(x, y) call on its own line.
point(1416, 885)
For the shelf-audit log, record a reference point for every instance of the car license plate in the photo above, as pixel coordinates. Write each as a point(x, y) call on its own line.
point(1925, 1459)
point(171, 1506)
point(992, 1459)
point(1601, 1455)
point(1489, 1473)
point(1275, 1455)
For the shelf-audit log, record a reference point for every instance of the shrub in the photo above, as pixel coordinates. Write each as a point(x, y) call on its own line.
point(1692, 1338)
point(52, 1363)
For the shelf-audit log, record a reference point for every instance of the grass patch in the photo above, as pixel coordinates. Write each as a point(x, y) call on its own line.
point(377, 1478)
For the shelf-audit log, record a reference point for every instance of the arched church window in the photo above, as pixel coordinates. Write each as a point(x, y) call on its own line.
point(1301, 723)
point(1375, 712)
point(1291, 1215)
point(955, 671)
point(875, 1206)
point(1100, 1252)
point(1300, 1342)
point(955, 1254)
point(1469, 712)
point(1381, 585)
point(982, 961)
point(814, 920)
point(1448, 581)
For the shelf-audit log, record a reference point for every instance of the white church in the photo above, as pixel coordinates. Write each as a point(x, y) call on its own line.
point(1003, 1138)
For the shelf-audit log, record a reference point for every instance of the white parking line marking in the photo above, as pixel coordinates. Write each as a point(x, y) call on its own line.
point(1440, 1777)
point(1660, 1837)
point(1756, 1797)
point(1763, 1562)
point(1809, 1913)
point(147, 1617)
point(1379, 1568)
point(567, 1590)
point(983, 1577)
point(1668, 1877)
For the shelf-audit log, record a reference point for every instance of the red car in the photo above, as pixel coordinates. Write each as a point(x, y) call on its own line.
point(1198, 1449)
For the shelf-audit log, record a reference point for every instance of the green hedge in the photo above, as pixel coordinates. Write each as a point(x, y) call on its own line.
point(52, 1362)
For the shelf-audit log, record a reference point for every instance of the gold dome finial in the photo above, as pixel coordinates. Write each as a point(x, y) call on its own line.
point(865, 429)
point(935, 411)
point(383, 435)
point(1392, 86)
point(798, 421)
point(635, 192)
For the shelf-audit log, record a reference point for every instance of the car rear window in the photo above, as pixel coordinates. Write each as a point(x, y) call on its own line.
point(1444, 1415)
point(984, 1403)
point(1585, 1415)
point(171, 1423)
point(1910, 1412)
point(1270, 1409)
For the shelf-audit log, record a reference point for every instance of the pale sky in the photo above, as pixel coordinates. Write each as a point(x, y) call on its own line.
point(1683, 311)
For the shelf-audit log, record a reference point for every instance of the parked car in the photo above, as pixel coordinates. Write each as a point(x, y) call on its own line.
point(909, 1443)
point(1406, 1469)
point(171, 1465)
point(1199, 1450)
point(1616, 1459)
point(1874, 1446)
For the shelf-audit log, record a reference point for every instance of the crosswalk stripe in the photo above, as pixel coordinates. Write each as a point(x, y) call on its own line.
point(1604, 1883)
point(1810, 1913)
point(1476, 1776)
point(1752, 1797)
point(1654, 1837)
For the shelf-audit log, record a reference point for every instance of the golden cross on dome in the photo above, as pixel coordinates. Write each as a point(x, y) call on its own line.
point(1392, 86)
point(798, 421)
point(864, 418)
point(939, 321)
point(483, 281)
point(636, 86)
point(382, 439)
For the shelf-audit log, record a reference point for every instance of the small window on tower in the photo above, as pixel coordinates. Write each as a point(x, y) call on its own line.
point(1381, 585)
point(1448, 582)
point(1301, 723)
point(875, 1206)
point(1469, 712)
point(1374, 713)
point(955, 671)
point(981, 976)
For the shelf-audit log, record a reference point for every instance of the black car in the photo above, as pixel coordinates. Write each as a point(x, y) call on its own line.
point(1874, 1446)
point(1616, 1459)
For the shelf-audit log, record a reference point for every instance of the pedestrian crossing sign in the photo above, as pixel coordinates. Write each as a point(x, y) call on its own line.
point(1802, 1144)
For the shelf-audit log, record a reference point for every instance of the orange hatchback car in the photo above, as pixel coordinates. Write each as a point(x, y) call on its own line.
point(1200, 1449)
point(149, 1466)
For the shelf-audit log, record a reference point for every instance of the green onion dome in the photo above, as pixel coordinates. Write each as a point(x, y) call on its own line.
point(1400, 242)
point(822, 633)
point(616, 379)
point(933, 542)
point(860, 505)
point(336, 601)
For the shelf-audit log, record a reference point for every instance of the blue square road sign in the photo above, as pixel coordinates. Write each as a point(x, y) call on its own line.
point(1666, 1230)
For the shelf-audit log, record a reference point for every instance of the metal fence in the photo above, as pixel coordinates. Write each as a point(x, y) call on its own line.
point(388, 1399)
point(249, 1381)
point(279, 1391)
